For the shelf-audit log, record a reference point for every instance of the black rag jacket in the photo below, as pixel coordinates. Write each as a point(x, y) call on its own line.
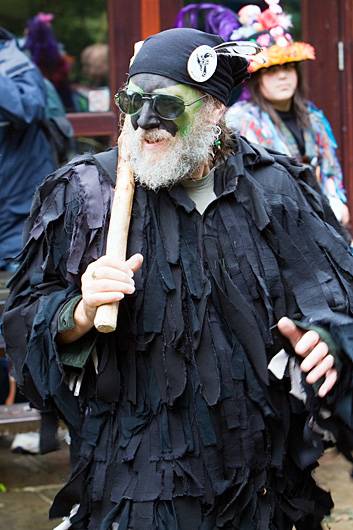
point(182, 425)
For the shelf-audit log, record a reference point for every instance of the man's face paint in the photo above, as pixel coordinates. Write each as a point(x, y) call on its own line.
point(164, 152)
point(147, 118)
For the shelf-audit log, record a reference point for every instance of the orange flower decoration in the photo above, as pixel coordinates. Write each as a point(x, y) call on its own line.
point(277, 55)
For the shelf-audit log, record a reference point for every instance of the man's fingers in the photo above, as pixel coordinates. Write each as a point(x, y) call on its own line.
point(307, 343)
point(111, 273)
point(320, 369)
point(97, 299)
point(135, 262)
point(129, 267)
point(113, 286)
point(318, 361)
point(287, 327)
point(318, 353)
point(108, 261)
point(329, 383)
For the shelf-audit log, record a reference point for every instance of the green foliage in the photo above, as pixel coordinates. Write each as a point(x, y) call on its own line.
point(292, 7)
point(76, 24)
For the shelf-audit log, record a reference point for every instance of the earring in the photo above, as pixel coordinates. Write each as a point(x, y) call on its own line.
point(217, 142)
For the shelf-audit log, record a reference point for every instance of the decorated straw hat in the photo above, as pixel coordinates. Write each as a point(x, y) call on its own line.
point(269, 29)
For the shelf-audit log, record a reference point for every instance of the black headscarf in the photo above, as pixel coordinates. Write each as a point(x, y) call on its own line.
point(167, 54)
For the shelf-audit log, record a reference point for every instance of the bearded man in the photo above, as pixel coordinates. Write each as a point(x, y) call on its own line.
point(199, 412)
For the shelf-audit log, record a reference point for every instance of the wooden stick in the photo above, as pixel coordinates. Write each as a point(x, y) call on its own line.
point(107, 314)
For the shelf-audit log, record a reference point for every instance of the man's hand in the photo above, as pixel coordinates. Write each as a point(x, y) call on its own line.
point(106, 280)
point(318, 362)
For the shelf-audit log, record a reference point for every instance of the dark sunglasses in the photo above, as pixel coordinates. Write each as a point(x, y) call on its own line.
point(167, 107)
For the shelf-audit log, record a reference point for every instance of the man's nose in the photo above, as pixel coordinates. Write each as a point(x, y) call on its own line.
point(147, 117)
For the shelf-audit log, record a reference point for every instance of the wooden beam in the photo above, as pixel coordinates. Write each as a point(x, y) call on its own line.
point(157, 15)
point(330, 83)
point(93, 123)
point(124, 31)
point(168, 12)
point(322, 75)
point(150, 17)
point(347, 98)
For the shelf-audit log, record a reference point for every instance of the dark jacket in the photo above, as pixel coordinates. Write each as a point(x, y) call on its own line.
point(25, 153)
point(184, 426)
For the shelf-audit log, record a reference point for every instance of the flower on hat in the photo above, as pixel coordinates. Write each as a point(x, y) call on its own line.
point(289, 53)
point(282, 41)
point(249, 14)
point(243, 33)
point(268, 19)
point(269, 29)
point(284, 20)
point(274, 6)
point(276, 32)
point(264, 40)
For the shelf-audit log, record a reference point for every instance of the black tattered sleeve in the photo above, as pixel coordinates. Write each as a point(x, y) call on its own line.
point(62, 237)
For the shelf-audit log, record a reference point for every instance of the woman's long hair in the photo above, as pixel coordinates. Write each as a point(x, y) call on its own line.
point(299, 100)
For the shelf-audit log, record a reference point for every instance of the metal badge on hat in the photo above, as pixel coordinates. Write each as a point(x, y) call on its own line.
point(202, 62)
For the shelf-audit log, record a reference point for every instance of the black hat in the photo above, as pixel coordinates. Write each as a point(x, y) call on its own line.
point(188, 56)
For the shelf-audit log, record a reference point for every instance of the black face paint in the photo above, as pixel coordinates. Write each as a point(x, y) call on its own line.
point(147, 118)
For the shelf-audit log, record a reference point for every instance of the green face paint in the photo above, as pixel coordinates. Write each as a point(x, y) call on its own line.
point(186, 93)
point(131, 87)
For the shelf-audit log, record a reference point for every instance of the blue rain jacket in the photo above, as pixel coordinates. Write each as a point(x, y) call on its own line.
point(25, 153)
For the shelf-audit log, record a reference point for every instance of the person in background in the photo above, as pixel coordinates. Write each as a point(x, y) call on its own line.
point(46, 52)
point(95, 64)
point(25, 153)
point(275, 112)
point(95, 73)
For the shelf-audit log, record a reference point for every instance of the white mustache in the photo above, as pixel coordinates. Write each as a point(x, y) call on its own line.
point(153, 135)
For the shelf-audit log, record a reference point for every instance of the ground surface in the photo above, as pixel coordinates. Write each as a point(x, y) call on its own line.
point(32, 482)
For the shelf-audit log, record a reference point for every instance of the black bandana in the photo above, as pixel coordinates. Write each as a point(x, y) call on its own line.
point(167, 54)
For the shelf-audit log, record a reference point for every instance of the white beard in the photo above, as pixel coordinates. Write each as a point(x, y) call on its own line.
point(184, 156)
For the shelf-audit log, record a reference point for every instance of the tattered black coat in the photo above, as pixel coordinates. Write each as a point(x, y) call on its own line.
point(182, 425)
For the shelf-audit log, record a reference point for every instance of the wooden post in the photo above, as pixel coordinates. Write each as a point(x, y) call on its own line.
point(168, 12)
point(131, 21)
point(346, 19)
point(157, 15)
point(124, 31)
point(150, 18)
point(329, 28)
